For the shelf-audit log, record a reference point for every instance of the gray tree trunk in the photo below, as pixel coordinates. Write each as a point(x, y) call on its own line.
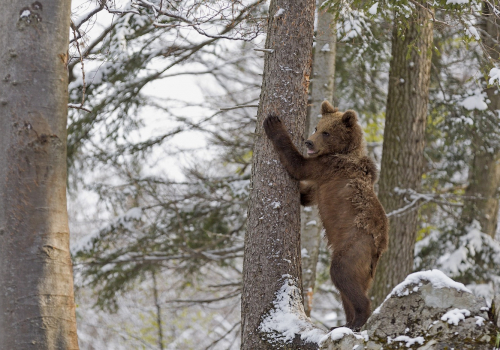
point(37, 308)
point(322, 86)
point(403, 148)
point(481, 195)
point(272, 242)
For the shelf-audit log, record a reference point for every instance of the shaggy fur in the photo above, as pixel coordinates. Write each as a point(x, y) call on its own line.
point(338, 176)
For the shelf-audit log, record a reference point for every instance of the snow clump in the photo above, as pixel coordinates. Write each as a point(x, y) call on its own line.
point(288, 318)
point(437, 278)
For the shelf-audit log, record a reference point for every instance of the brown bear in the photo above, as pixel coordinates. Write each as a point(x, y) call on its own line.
point(338, 176)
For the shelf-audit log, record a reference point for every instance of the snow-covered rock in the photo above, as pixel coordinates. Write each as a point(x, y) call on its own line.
point(427, 311)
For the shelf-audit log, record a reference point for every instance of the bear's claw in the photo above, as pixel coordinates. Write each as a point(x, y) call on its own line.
point(271, 124)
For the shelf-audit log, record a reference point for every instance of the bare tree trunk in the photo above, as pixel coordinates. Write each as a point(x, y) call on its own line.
point(322, 86)
point(272, 242)
point(403, 149)
point(481, 196)
point(158, 312)
point(37, 309)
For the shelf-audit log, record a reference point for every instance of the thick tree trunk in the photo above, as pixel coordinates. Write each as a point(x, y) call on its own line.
point(272, 242)
point(403, 149)
point(481, 196)
point(321, 89)
point(37, 309)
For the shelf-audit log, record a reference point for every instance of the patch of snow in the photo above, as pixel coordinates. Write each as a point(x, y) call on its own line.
point(457, 2)
point(461, 260)
point(331, 316)
point(454, 316)
point(437, 278)
point(312, 222)
point(133, 214)
point(479, 320)
point(279, 13)
point(373, 9)
point(494, 76)
point(476, 101)
point(304, 253)
point(472, 32)
point(353, 25)
point(337, 334)
point(325, 48)
point(85, 243)
point(276, 205)
point(288, 318)
point(409, 341)
point(340, 332)
point(25, 13)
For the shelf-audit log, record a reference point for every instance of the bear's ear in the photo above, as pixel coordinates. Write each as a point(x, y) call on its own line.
point(349, 118)
point(326, 107)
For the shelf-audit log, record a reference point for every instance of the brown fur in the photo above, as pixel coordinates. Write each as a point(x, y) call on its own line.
point(338, 176)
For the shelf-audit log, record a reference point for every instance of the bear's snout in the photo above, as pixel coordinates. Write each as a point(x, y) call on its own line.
point(309, 144)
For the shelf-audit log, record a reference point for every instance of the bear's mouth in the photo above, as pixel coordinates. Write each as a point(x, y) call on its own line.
point(311, 152)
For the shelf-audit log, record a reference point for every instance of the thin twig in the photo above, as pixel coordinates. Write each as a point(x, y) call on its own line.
point(84, 86)
point(72, 105)
point(236, 107)
point(265, 50)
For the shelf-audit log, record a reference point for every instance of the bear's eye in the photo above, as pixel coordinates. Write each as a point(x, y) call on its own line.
point(315, 129)
point(325, 133)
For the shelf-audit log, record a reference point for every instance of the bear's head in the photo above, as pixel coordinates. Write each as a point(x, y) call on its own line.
point(336, 133)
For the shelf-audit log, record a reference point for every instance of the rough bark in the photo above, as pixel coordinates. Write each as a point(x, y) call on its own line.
point(322, 86)
point(481, 195)
point(37, 309)
point(272, 242)
point(403, 148)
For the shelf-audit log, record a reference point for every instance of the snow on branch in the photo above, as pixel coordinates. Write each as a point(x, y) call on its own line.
point(78, 106)
point(419, 199)
point(233, 19)
point(462, 255)
point(85, 17)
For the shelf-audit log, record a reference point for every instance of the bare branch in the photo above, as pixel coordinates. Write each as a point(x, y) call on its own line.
point(72, 105)
point(265, 50)
point(78, 22)
point(236, 107)
point(81, 61)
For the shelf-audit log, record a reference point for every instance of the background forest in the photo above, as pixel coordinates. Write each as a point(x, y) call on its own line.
point(160, 138)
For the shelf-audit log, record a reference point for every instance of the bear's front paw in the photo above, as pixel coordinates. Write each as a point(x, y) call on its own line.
point(272, 124)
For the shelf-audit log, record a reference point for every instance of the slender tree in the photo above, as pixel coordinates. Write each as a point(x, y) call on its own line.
point(272, 242)
point(37, 308)
point(403, 149)
point(321, 89)
point(481, 195)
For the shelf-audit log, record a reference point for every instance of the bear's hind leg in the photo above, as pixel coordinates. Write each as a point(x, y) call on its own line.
point(348, 309)
point(350, 273)
point(356, 303)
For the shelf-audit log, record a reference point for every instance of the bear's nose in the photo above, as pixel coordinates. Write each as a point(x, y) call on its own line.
point(309, 144)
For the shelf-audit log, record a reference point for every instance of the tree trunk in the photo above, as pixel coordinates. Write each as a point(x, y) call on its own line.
point(272, 242)
point(321, 89)
point(403, 148)
point(37, 309)
point(481, 196)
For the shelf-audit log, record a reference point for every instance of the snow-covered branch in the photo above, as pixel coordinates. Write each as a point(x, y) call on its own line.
point(418, 199)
